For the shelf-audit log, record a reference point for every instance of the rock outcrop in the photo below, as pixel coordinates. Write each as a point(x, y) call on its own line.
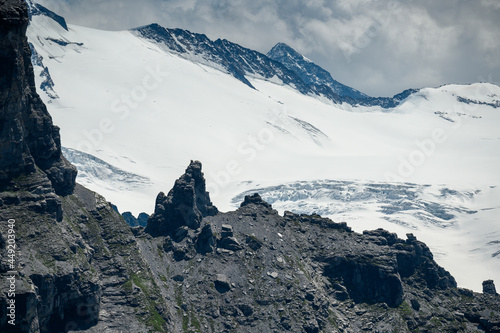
point(374, 273)
point(29, 138)
point(185, 205)
point(227, 240)
point(141, 220)
point(489, 287)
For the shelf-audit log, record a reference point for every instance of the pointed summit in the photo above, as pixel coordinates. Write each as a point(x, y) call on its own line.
point(184, 206)
point(35, 9)
point(282, 51)
point(309, 72)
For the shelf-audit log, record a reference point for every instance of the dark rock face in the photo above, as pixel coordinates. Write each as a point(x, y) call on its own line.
point(414, 257)
point(29, 140)
point(141, 220)
point(309, 72)
point(489, 287)
point(375, 275)
point(185, 205)
point(81, 272)
point(74, 295)
point(367, 279)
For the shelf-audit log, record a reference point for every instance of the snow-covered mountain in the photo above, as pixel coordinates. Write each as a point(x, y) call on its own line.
point(282, 63)
point(314, 75)
point(135, 106)
point(309, 72)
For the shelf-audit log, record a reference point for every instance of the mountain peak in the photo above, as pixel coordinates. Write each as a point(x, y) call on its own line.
point(309, 72)
point(284, 50)
point(35, 9)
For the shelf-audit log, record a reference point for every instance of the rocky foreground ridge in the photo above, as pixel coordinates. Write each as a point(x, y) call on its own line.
point(78, 266)
point(253, 270)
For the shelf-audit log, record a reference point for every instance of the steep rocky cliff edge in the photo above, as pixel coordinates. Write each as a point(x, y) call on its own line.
point(71, 256)
point(69, 261)
point(30, 141)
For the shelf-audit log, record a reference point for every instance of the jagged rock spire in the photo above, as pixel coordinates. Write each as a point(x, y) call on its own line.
point(185, 205)
point(489, 287)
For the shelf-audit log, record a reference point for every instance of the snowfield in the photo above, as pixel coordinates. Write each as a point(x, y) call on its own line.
point(132, 115)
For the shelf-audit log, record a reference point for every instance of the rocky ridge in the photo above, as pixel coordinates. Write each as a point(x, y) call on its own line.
point(309, 72)
point(281, 62)
point(254, 270)
point(314, 75)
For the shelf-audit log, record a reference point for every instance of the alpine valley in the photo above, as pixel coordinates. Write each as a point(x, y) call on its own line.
point(319, 208)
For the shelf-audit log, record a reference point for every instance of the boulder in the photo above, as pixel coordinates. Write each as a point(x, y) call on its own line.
point(230, 243)
point(205, 242)
point(489, 287)
point(222, 283)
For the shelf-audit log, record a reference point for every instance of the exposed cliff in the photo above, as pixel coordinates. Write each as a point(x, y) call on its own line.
point(29, 139)
point(84, 271)
point(68, 260)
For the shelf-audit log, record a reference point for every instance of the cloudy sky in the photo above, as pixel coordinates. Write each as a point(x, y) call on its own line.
point(380, 47)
